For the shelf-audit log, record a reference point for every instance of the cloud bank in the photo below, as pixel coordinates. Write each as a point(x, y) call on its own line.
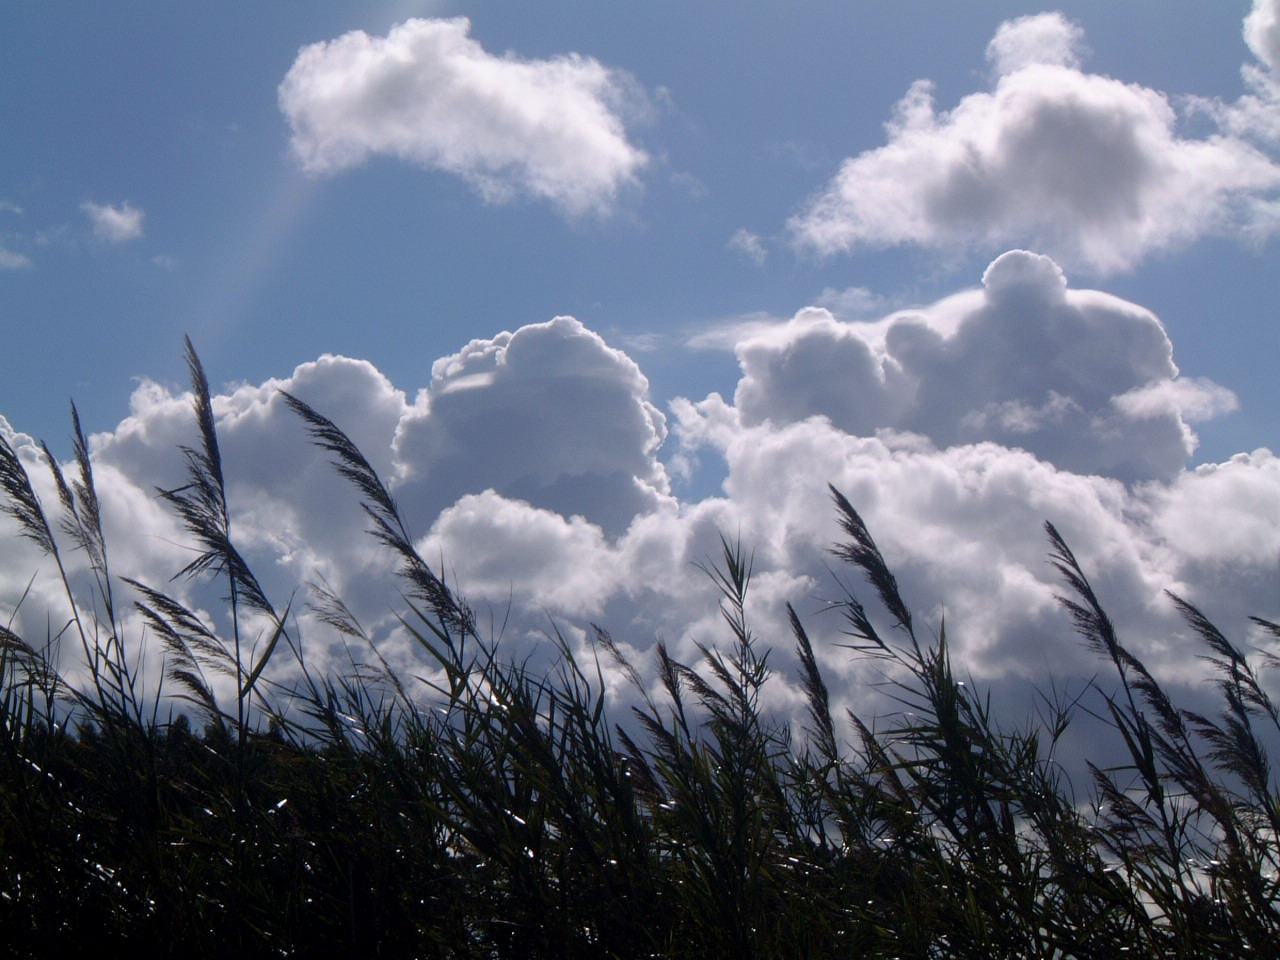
point(537, 471)
point(1088, 168)
point(429, 94)
point(531, 466)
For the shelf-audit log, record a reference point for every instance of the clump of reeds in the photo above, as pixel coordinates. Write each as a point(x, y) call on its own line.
point(498, 811)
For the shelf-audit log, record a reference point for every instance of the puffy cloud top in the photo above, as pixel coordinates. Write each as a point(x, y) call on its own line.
point(1019, 273)
point(429, 94)
point(1046, 38)
point(1080, 378)
point(1085, 166)
point(528, 469)
point(549, 414)
point(1262, 32)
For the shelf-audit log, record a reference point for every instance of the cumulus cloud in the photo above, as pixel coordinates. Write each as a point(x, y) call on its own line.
point(539, 444)
point(1262, 33)
point(549, 414)
point(1047, 38)
point(1224, 514)
point(1255, 115)
point(564, 564)
point(962, 527)
point(1087, 167)
point(529, 469)
point(115, 223)
point(429, 94)
point(1082, 379)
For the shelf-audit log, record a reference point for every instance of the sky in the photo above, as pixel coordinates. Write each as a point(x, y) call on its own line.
point(593, 288)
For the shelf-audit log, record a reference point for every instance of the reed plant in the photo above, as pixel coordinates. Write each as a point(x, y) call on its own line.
point(491, 807)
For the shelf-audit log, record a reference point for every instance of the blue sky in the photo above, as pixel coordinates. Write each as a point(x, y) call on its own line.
point(771, 223)
point(172, 108)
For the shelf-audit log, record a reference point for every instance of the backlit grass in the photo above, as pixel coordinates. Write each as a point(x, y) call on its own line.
point(500, 811)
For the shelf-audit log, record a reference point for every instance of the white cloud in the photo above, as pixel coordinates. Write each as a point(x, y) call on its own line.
point(1089, 168)
point(538, 557)
point(1193, 399)
point(750, 245)
point(1256, 115)
point(1046, 39)
point(1081, 379)
point(115, 223)
point(962, 529)
point(547, 428)
point(1262, 33)
point(549, 414)
point(428, 93)
point(12, 260)
point(528, 468)
point(1224, 515)
point(312, 514)
point(851, 303)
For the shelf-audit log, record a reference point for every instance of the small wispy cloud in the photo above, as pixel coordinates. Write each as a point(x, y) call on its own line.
point(12, 260)
point(746, 242)
point(115, 223)
point(852, 303)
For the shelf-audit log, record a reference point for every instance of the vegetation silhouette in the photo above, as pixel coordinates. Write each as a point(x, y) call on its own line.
point(498, 811)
